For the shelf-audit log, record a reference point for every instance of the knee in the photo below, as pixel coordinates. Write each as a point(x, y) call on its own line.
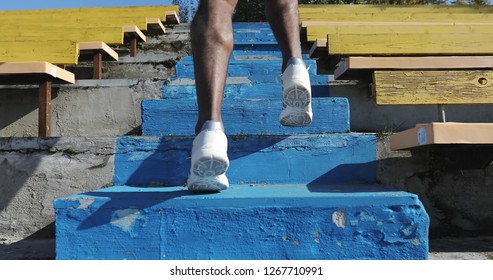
point(281, 6)
point(207, 29)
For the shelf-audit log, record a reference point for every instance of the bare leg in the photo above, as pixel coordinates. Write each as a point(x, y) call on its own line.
point(212, 44)
point(283, 18)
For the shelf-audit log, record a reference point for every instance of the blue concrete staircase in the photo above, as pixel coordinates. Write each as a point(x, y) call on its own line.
point(296, 193)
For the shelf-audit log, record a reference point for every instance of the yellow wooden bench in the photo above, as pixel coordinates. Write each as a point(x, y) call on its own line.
point(411, 55)
point(144, 17)
point(130, 33)
point(33, 42)
point(93, 41)
point(53, 51)
point(166, 13)
point(108, 25)
point(134, 20)
point(355, 13)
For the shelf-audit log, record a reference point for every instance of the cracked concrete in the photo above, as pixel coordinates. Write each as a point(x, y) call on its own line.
point(34, 171)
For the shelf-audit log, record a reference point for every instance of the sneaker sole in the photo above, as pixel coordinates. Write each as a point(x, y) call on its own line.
point(210, 166)
point(297, 99)
point(205, 187)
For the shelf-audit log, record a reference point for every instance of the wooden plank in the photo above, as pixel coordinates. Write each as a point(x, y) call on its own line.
point(316, 32)
point(155, 26)
point(433, 87)
point(306, 24)
point(161, 12)
point(107, 34)
point(133, 31)
point(307, 9)
point(44, 109)
point(401, 17)
point(139, 21)
point(94, 17)
point(355, 66)
point(90, 48)
point(47, 70)
point(414, 44)
point(55, 52)
point(442, 134)
point(393, 13)
point(75, 21)
point(318, 48)
point(172, 17)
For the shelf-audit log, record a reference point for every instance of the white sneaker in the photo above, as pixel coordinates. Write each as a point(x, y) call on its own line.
point(296, 95)
point(209, 159)
point(207, 184)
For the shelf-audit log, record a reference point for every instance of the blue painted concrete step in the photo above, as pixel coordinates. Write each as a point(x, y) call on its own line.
point(261, 222)
point(253, 32)
point(243, 87)
point(259, 71)
point(308, 159)
point(242, 116)
point(243, 58)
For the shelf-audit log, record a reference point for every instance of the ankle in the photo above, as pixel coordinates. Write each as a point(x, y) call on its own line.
point(292, 61)
point(209, 125)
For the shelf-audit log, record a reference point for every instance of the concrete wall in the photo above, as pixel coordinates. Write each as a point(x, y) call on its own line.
point(88, 116)
point(34, 171)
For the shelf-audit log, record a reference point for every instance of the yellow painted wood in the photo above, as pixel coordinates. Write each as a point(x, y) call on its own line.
point(388, 12)
point(433, 87)
point(109, 35)
point(403, 17)
point(409, 44)
point(317, 32)
point(355, 67)
point(305, 24)
point(75, 21)
point(418, 62)
point(55, 52)
point(124, 11)
point(361, 8)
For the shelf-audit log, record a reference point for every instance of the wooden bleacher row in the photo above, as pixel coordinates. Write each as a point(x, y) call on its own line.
point(411, 55)
point(35, 45)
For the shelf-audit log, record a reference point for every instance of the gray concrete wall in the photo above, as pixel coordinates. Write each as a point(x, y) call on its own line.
point(34, 171)
point(458, 200)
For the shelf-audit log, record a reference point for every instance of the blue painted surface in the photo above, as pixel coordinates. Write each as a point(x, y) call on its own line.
point(253, 33)
point(243, 90)
point(242, 116)
point(296, 193)
point(260, 222)
point(266, 71)
point(309, 159)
